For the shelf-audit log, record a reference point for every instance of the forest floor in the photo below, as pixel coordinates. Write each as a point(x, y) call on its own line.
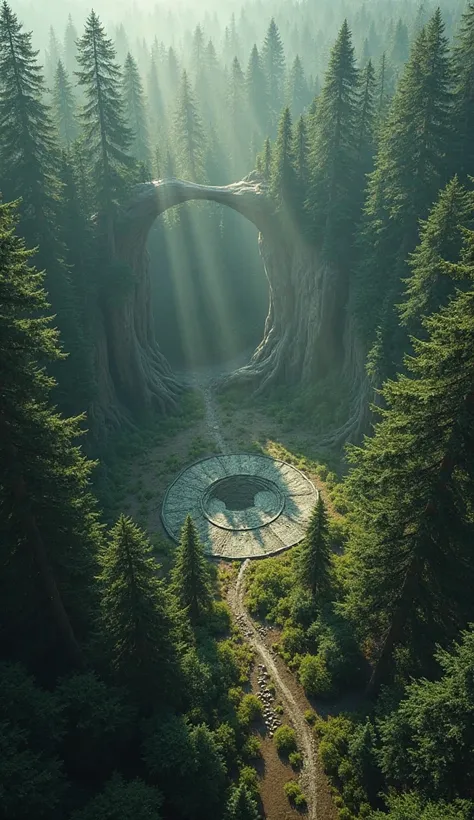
point(224, 426)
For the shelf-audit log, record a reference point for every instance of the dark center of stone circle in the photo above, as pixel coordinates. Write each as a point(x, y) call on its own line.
point(238, 491)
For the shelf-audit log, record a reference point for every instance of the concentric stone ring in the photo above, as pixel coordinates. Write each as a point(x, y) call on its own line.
point(244, 506)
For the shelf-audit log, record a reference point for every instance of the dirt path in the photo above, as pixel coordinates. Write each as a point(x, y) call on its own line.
point(311, 773)
point(303, 730)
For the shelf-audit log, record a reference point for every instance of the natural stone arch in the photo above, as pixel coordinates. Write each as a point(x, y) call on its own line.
point(307, 332)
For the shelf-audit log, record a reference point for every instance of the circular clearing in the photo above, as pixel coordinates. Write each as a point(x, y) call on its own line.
point(242, 502)
point(244, 506)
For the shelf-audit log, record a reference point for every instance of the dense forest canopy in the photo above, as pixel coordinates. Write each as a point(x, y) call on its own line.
point(231, 228)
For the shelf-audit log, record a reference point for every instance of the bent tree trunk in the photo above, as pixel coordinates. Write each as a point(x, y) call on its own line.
point(307, 334)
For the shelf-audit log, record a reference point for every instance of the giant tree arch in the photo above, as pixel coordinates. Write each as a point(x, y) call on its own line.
point(306, 332)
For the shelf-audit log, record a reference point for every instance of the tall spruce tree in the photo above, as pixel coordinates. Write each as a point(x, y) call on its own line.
point(190, 575)
point(441, 238)
point(273, 59)
point(301, 156)
point(297, 93)
point(27, 146)
point(64, 107)
point(366, 122)
point(238, 122)
point(463, 69)
point(314, 559)
point(411, 491)
point(333, 196)
point(138, 627)
point(53, 56)
point(257, 95)
point(29, 170)
point(156, 105)
point(410, 167)
point(189, 135)
point(106, 136)
point(49, 528)
point(241, 805)
point(70, 47)
point(135, 111)
point(283, 177)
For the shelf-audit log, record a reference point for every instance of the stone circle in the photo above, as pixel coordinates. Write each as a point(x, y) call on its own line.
point(244, 505)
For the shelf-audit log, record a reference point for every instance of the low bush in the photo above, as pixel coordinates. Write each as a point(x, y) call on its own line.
point(314, 676)
point(219, 619)
point(294, 794)
point(296, 760)
point(252, 749)
point(250, 710)
point(249, 779)
point(285, 740)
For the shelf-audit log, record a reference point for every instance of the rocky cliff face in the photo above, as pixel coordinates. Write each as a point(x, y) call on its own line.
point(307, 334)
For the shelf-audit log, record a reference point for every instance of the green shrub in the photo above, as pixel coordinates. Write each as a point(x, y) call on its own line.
point(296, 760)
point(294, 794)
point(219, 619)
point(268, 587)
point(249, 779)
point(279, 709)
point(293, 641)
point(310, 717)
point(252, 749)
point(285, 740)
point(314, 676)
point(250, 710)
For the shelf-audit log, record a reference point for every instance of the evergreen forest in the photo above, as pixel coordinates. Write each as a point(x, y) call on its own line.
point(237, 323)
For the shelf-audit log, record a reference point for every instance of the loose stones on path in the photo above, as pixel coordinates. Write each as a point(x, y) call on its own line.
point(244, 505)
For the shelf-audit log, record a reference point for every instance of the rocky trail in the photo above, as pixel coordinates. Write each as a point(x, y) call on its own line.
point(304, 732)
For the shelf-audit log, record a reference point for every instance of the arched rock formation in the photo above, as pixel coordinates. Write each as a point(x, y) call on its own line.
point(306, 333)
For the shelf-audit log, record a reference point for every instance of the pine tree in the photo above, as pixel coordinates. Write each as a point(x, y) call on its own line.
point(273, 59)
point(135, 111)
point(314, 560)
point(365, 128)
point(49, 527)
point(441, 238)
point(238, 122)
point(64, 107)
point(136, 616)
point(27, 147)
point(283, 177)
point(190, 576)
point(332, 198)
point(463, 59)
point(106, 136)
point(53, 57)
point(301, 155)
point(155, 101)
point(70, 48)
point(121, 43)
point(189, 135)
point(267, 160)
point(411, 492)
point(241, 805)
point(384, 92)
point(29, 169)
point(400, 47)
point(257, 94)
point(297, 92)
point(198, 48)
point(410, 167)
